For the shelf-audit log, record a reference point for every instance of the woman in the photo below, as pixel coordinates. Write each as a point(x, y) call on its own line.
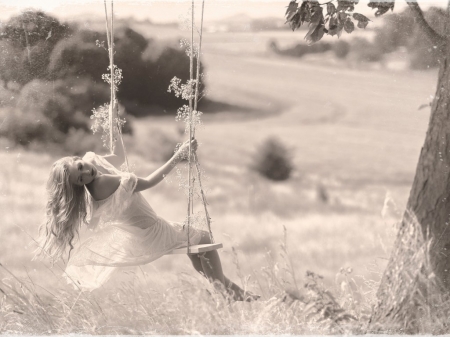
point(126, 230)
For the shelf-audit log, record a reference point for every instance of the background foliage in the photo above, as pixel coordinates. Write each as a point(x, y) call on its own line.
point(51, 76)
point(398, 31)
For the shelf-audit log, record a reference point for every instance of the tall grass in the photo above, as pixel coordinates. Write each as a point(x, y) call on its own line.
point(290, 305)
point(36, 302)
point(412, 301)
point(340, 302)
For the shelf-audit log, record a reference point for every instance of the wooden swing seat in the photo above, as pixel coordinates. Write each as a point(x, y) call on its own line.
point(196, 249)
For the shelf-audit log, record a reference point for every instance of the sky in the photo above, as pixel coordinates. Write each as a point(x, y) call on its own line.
point(168, 10)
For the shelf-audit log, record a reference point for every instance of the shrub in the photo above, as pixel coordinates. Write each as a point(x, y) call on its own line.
point(38, 97)
point(364, 51)
point(7, 97)
point(272, 45)
point(24, 128)
point(58, 112)
point(66, 103)
point(78, 142)
point(301, 49)
point(273, 160)
point(341, 49)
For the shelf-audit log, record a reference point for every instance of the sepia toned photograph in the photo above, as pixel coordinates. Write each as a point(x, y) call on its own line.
point(224, 167)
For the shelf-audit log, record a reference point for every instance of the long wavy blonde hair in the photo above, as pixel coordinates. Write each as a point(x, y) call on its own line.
point(66, 211)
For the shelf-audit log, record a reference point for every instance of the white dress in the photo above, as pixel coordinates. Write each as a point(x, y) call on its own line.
point(125, 232)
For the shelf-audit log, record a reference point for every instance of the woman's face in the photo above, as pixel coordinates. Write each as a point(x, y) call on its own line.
point(81, 172)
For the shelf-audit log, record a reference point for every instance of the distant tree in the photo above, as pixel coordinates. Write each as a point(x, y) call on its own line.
point(27, 40)
point(136, 41)
point(34, 45)
point(75, 57)
point(10, 62)
point(424, 52)
point(66, 103)
point(130, 46)
point(147, 66)
point(171, 62)
point(429, 200)
point(400, 30)
point(33, 26)
point(397, 31)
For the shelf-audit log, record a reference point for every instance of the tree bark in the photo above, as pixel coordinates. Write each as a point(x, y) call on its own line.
point(425, 225)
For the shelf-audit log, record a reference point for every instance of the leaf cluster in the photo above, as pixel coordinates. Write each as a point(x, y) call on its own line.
point(188, 48)
point(100, 116)
point(117, 77)
point(381, 6)
point(329, 18)
point(184, 116)
point(185, 91)
point(195, 220)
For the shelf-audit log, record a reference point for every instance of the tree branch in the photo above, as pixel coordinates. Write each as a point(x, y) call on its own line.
point(425, 26)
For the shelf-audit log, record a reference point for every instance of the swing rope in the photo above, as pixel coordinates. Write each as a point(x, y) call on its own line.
point(197, 164)
point(191, 183)
point(112, 105)
point(193, 104)
point(192, 110)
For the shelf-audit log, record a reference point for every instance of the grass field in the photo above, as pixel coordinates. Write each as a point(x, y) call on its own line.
point(355, 134)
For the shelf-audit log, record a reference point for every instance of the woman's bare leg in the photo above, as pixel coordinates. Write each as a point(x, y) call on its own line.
point(237, 292)
point(208, 264)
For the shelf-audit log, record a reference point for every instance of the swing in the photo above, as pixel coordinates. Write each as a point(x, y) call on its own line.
point(193, 102)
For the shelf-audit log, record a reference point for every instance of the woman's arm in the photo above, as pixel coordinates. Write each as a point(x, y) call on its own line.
point(157, 176)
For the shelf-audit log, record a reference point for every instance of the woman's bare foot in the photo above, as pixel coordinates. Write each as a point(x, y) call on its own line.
point(243, 296)
point(250, 297)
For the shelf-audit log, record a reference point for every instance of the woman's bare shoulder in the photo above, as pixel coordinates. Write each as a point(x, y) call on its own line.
point(89, 156)
point(104, 186)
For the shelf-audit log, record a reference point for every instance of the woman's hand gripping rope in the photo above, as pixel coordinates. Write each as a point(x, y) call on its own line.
point(183, 151)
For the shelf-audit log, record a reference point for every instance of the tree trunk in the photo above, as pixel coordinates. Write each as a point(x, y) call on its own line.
point(420, 259)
